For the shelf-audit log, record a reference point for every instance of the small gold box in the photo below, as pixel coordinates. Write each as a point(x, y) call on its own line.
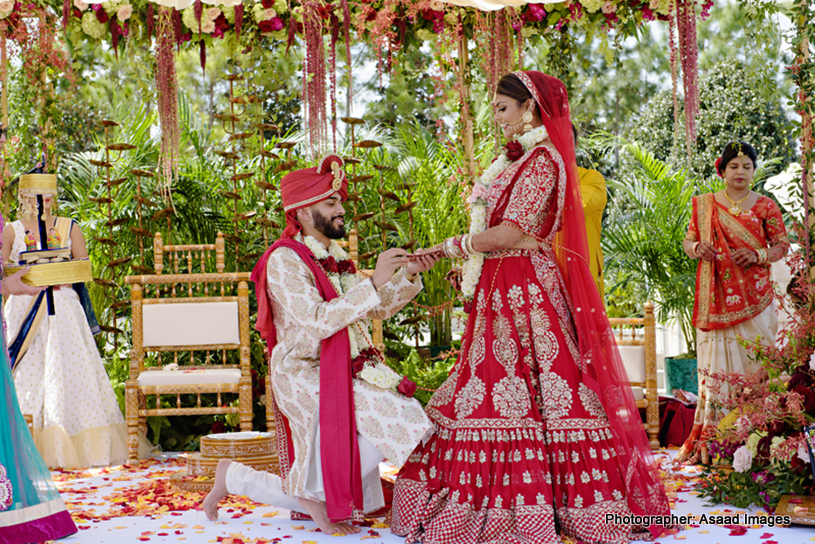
point(47, 274)
point(46, 255)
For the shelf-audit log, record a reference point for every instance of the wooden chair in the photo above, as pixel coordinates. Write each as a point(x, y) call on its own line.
point(202, 319)
point(639, 355)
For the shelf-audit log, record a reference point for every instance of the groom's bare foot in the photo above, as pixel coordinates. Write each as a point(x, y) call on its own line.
point(218, 492)
point(318, 513)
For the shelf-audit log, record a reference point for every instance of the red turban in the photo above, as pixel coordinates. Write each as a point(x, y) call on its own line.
point(309, 186)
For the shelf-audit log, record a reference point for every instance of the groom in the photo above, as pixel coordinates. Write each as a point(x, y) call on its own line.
point(339, 409)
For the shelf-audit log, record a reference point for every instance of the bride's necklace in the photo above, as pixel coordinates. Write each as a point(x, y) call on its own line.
point(735, 209)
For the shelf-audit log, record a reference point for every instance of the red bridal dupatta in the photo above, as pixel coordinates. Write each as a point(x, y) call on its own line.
point(605, 373)
point(727, 294)
point(339, 450)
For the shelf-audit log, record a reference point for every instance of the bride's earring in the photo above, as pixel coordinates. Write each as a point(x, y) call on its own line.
point(527, 119)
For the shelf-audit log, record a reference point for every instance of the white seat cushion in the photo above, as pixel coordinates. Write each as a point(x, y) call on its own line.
point(191, 324)
point(634, 362)
point(189, 377)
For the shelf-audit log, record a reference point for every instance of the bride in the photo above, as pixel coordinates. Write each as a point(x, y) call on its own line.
point(537, 430)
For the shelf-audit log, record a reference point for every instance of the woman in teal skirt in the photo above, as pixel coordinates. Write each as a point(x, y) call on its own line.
point(31, 509)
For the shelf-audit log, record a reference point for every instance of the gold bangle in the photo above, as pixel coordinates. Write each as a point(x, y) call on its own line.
point(694, 249)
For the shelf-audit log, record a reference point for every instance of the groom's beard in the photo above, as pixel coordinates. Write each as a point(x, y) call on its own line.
point(327, 226)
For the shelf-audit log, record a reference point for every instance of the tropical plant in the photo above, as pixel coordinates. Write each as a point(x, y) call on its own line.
point(642, 240)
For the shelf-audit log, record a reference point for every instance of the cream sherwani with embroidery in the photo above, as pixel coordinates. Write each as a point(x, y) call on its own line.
point(393, 423)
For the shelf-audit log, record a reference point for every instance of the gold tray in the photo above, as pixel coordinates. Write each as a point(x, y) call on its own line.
point(198, 465)
point(241, 445)
point(806, 509)
point(47, 274)
point(191, 484)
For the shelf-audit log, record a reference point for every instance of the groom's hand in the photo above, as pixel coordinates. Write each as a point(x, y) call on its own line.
point(386, 264)
point(421, 261)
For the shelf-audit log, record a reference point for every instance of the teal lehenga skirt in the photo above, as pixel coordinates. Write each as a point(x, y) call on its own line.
point(31, 509)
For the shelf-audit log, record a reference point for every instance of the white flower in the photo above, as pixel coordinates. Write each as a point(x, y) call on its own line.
point(811, 357)
point(752, 441)
point(803, 453)
point(269, 14)
point(111, 7)
point(213, 13)
point(742, 459)
point(208, 27)
point(78, 4)
point(124, 13)
point(437, 5)
point(91, 25)
point(425, 35)
point(471, 271)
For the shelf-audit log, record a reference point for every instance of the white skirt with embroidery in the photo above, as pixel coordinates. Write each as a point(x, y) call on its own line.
point(62, 382)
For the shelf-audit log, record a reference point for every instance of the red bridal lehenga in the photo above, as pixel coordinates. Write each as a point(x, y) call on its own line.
point(535, 434)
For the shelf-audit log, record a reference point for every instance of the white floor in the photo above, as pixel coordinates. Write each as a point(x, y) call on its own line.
point(129, 505)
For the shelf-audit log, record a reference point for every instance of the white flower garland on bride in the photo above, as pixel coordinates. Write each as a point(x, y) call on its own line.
point(375, 372)
point(471, 271)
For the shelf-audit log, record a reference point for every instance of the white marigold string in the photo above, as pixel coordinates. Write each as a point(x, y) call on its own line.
point(367, 362)
point(471, 271)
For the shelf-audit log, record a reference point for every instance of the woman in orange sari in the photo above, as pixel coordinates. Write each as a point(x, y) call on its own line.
point(735, 233)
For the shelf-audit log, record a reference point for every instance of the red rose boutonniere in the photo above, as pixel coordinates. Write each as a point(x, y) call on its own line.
point(329, 265)
point(514, 150)
point(346, 267)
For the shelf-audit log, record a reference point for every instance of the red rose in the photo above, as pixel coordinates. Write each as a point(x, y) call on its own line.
point(357, 365)
point(77, 13)
point(266, 26)
point(797, 464)
point(267, 4)
point(329, 265)
point(221, 23)
point(218, 427)
point(514, 150)
point(407, 387)
point(809, 398)
point(763, 448)
point(346, 267)
point(102, 16)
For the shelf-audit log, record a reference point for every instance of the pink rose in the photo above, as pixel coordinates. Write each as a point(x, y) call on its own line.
point(608, 7)
point(79, 4)
point(124, 12)
point(213, 13)
point(479, 191)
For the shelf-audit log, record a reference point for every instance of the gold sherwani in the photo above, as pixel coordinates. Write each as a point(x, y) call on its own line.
point(395, 424)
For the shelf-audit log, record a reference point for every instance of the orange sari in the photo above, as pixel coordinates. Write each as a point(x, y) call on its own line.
point(731, 302)
point(727, 294)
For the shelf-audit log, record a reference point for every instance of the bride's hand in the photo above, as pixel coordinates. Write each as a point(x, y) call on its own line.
point(13, 285)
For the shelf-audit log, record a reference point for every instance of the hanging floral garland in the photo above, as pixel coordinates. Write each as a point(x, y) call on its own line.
point(367, 363)
point(515, 149)
point(167, 87)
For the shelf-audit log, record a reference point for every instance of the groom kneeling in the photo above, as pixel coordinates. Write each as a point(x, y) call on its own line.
point(338, 411)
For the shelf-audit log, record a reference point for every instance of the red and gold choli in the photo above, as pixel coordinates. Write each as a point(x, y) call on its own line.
point(727, 294)
point(521, 439)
